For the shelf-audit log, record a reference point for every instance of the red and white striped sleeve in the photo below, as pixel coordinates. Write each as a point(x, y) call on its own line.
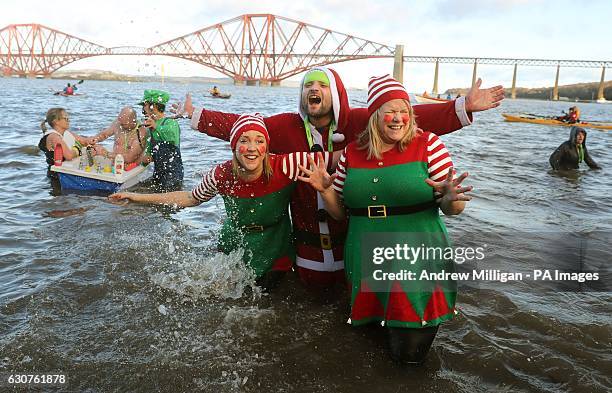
point(438, 159)
point(341, 174)
point(207, 189)
point(292, 161)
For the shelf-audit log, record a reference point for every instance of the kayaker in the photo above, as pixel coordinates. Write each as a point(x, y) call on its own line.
point(163, 145)
point(572, 152)
point(572, 117)
point(325, 122)
point(215, 91)
point(59, 122)
point(256, 188)
point(392, 182)
point(130, 138)
point(69, 89)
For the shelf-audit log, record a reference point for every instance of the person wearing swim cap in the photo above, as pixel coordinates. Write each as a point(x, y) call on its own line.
point(326, 122)
point(163, 145)
point(256, 188)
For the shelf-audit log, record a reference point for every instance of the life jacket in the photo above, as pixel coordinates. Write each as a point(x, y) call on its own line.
point(49, 155)
point(69, 90)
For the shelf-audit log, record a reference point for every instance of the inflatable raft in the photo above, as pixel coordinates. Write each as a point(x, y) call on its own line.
point(75, 175)
point(79, 175)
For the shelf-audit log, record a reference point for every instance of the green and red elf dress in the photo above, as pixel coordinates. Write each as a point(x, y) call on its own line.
point(257, 211)
point(396, 180)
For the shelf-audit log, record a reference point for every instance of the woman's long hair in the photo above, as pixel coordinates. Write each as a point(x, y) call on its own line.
point(371, 138)
point(53, 115)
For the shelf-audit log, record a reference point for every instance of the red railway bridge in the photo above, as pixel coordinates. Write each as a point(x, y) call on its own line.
point(251, 49)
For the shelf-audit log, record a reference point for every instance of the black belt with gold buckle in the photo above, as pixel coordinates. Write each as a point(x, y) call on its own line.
point(382, 211)
point(324, 240)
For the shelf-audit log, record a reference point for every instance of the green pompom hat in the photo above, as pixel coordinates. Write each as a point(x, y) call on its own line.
point(155, 96)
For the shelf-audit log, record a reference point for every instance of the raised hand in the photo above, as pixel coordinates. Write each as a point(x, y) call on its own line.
point(183, 109)
point(478, 99)
point(450, 189)
point(150, 123)
point(317, 176)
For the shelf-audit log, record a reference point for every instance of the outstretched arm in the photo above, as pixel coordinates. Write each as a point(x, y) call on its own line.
point(175, 199)
point(212, 123)
point(439, 119)
point(448, 117)
point(104, 134)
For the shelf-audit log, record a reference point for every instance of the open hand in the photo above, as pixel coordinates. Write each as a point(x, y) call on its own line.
point(317, 176)
point(478, 99)
point(450, 189)
point(183, 109)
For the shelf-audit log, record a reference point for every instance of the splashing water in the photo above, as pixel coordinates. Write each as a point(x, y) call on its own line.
point(220, 276)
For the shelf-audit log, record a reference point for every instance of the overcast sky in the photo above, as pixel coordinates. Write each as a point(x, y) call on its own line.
point(480, 28)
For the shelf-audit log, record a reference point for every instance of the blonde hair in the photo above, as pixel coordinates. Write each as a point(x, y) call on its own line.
point(267, 168)
point(53, 115)
point(372, 139)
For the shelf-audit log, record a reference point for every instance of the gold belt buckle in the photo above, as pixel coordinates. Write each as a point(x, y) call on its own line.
point(377, 211)
point(254, 228)
point(326, 243)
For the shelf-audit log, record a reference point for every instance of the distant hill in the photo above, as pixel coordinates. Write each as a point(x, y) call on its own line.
point(578, 91)
point(111, 76)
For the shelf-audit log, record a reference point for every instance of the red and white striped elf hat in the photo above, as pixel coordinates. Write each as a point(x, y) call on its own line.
point(248, 122)
point(382, 89)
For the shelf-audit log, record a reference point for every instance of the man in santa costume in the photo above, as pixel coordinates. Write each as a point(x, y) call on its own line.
point(325, 122)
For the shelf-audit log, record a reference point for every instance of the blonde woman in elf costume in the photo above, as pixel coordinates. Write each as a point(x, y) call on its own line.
point(392, 181)
point(325, 122)
point(256, 188)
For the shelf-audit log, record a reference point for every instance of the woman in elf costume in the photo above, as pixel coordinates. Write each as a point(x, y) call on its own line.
point(256, 188)
point(392, 181)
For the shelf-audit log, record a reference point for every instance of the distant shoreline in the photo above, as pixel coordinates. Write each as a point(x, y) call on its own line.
point(580, 92)
point(100, 75)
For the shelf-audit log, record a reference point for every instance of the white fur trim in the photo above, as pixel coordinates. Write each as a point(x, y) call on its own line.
point(319, 266)
point(460, 111)
point(195, 118)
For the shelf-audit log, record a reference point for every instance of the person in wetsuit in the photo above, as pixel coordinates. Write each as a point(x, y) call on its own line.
point(572, 152)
